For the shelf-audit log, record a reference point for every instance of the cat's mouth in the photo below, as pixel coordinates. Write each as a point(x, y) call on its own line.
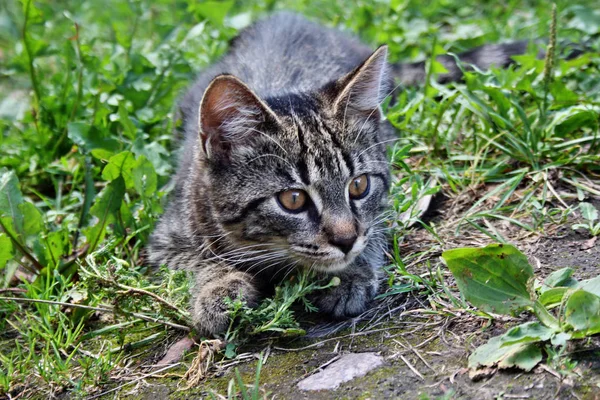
point(329, 259)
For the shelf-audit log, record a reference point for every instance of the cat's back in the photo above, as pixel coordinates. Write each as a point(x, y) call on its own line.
point(284, 53)
point(288, 53)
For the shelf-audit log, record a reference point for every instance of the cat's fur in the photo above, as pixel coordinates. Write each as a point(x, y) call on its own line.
point(298, 107)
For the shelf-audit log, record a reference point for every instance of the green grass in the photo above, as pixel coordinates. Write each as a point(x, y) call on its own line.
point(85, 154)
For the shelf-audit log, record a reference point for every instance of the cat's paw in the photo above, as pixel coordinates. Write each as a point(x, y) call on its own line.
point(209, 312)
point(349, 299)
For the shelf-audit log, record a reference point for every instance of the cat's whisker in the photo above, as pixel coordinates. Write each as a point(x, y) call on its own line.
point(247, 257)
point(279, 256)
point(376, 144)
point(291, 267)
point(376, 162)
point(244, 248)
point(267, 267)
point(376, 109)
point(273, 155)
point(270, 138)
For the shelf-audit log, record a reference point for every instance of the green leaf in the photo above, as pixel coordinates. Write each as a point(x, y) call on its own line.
point(582, 312)
point(494, 278)
point(553, 296)
point(560, 278)
point(591, 285)
point(128, 126)
point(144, 177)
point(525, 356)
point(10, 199)
point(33, 223)
point(105, 209)
point(588, 212)
point(88, 138)
point(515, 348)
point(576, 121)
point(214, 11)
point(155, 153)
point(585, 19)
point(230, 350)
point(120, 165)
point(56, 242)
point(6, 249)
point(562, 95)
point(560, 339)
point(529, 332)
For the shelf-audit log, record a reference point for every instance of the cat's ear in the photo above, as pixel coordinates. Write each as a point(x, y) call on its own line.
point(364, 89)
point(230, 114)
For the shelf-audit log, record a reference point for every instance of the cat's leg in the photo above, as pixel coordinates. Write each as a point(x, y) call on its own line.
point(213, 284)
point(359, 283)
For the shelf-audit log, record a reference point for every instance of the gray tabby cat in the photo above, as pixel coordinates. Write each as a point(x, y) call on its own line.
point(284, 166)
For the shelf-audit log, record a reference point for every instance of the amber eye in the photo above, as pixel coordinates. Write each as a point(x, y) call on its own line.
point(359, 187)
point(292, 200)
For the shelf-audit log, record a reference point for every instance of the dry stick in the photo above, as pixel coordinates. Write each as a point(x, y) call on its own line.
point(413, 369)
point(554, 191)
point(133, 381)
point(13, 290)
point(320, 367)
point(100, 309)
point(408, 346)
point(310, 346)
point(129, 289)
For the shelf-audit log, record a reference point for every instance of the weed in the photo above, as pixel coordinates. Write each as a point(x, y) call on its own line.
point(238, 389)
point(499, 279)
point(590, 215)
point(274, 314)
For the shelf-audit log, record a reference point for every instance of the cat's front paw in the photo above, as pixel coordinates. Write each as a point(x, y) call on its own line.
point(349, 299)
point(209, 312)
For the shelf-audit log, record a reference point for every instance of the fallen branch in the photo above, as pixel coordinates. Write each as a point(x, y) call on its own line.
point(104, 308)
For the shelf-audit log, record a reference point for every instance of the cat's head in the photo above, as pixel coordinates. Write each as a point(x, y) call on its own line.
point(300, 179)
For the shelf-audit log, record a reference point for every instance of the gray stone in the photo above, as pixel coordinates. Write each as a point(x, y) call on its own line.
point(348, 367)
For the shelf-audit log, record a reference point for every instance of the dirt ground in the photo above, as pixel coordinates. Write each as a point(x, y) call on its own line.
point(425, 353)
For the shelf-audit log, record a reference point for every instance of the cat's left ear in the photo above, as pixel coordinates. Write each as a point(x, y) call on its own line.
point(229, 116)
point(364, 89)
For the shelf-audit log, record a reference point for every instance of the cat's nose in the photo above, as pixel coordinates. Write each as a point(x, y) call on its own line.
point(344, 243)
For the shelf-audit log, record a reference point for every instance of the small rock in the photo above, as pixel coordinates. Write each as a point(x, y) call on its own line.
point(175, 352)
point(588, 244)
point(348, 367)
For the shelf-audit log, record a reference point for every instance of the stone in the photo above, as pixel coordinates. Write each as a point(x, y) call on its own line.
point(348, 367)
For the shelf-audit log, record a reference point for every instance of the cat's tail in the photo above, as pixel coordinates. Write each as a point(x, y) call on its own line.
point(483, 57)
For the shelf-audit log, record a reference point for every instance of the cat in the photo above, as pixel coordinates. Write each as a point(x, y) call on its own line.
point(284, 166)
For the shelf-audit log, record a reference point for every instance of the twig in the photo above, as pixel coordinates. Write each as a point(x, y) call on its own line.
point(100, 309)
point(408, 346)
point(13, 290)
point(310, 346)
point(129, 290)
point(320, 367)
point(133, 381)
point(413, 369)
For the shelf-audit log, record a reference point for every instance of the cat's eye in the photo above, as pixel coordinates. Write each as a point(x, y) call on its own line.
point(359, 187)
point(293, 200)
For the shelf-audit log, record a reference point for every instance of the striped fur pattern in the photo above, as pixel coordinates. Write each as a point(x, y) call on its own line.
point(292, 105)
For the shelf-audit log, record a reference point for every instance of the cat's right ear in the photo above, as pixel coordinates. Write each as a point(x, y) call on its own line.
point(229, 116)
